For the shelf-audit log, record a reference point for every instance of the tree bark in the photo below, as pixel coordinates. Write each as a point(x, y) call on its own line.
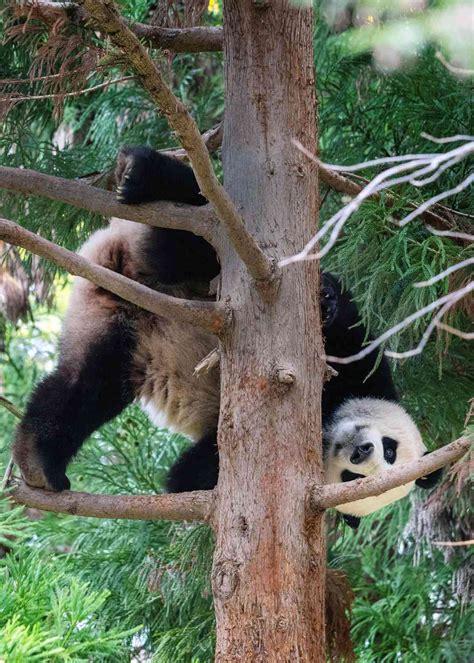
point(269, 564)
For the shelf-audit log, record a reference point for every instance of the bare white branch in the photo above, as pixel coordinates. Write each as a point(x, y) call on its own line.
point(451, 233)
point(408, 168)
point(447, 139)
point(432, 201)
point(467, 336)
point(450, 297)
point(446, 272)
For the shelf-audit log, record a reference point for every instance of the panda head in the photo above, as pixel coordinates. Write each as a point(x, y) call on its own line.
point(367, 436)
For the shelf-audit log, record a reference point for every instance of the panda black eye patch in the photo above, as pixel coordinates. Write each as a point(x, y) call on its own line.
point(389, 449)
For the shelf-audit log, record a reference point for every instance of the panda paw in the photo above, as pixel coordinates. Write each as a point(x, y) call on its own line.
point(134, 175)
point(34, 471)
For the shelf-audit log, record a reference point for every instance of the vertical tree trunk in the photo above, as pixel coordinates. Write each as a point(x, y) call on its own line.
point(269, 565)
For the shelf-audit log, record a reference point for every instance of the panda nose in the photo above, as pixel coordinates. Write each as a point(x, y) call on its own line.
point(361, 453)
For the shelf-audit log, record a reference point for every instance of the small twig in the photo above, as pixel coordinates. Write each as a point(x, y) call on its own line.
point(332, 495)
point(8, 405)
point(7, 476)
point(451, 233)
point(207, 315)
point(467, 336)
point(446, 272)
point(441, 196)
point(181, 506)
point(210, 361)
point(63, 95)
point(460, 71)
point(107, 20)
point(453, 544)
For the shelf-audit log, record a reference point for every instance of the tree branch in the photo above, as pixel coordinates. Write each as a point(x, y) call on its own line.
point(198, 220)
point(343, 184)
point(197, 39)
point(180, 40)
point(181, 506)
point(331, 495)
point(207, 315)
point(107, 20)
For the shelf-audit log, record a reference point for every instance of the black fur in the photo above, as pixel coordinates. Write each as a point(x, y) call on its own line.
point(70, 404)
point(174, 256)
point(197, 468)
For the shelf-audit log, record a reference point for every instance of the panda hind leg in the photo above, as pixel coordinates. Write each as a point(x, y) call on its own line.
point(70, 403)
point(197, 468)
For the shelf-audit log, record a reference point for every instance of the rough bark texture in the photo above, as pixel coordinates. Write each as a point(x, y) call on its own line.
point(183, 506)
point(269, 565)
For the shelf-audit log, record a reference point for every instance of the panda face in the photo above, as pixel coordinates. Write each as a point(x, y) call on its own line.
point(367, 436)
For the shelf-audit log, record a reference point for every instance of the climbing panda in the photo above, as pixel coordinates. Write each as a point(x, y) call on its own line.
point(112, 353)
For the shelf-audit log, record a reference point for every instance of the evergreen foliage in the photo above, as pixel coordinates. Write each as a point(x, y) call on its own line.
point(75, 589)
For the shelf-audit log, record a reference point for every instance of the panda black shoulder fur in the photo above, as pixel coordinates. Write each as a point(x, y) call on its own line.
point(112, 353)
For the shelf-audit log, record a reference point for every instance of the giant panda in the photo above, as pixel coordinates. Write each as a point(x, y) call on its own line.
point(112, 353)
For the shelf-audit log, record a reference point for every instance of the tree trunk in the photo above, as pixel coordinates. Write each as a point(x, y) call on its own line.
point(269, 564)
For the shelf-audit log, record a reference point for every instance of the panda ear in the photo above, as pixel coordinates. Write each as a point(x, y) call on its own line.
point(431, 479)
point(352, 521)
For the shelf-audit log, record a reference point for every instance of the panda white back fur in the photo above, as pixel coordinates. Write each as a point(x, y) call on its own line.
point(368, 436)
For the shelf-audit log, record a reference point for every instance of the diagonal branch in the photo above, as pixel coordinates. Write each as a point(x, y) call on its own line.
point(207, 315)
point(331, 495)
point(107, 20)
point(181, 506)
point(198, 220)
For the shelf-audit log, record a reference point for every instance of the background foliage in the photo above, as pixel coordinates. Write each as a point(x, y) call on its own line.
point(74, 589)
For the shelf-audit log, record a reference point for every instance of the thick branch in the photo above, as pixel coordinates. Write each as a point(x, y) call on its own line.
point(179, 40)
point(331, 495)
point(181, 506)
point(198, 220)
point(207, 315)
point(107, 20)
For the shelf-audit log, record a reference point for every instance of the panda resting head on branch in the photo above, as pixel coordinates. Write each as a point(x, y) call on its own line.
point(112, 353)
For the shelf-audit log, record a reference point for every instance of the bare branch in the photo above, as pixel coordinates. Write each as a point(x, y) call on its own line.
point(467, 336)
point(198, 220)
point(181, 506)
point(12, 98)
point(331, 495)
point(408, 168)
point(451, 233)
point(207, 315)
point(450, 298)
point(441, 196)
point(446, 272)
point(453, 544)
point(108, 21)
point(212, 140)
point(459, 71)
point(179, 40)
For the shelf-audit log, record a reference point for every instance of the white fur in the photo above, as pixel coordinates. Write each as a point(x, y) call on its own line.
point(380, 418)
